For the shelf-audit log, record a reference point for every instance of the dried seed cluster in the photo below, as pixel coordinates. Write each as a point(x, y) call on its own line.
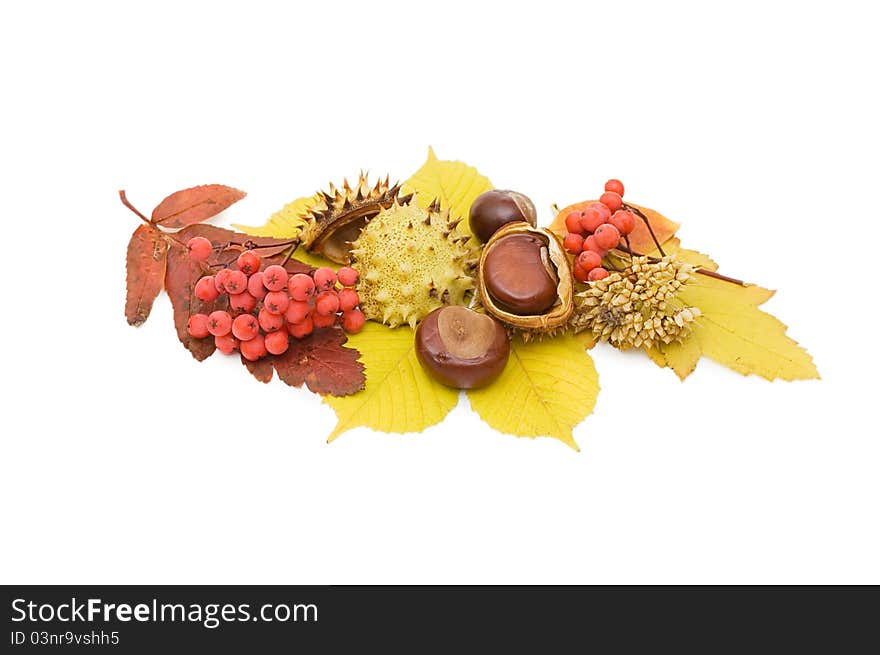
point(638, 306)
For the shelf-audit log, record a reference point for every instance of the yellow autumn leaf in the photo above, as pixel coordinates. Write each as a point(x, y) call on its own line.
point(286, 223)
point(455, 184)
point(734, 332)
point(399, 396)
point(673, 247)
point(547, 388)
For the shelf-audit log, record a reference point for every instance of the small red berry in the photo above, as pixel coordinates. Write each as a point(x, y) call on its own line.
point(353, 321)
point(301, 287)
point(579, 273)
point(614, 186)
point(592, 219)
point(206, 289)
point(275, 277)
point(323, 320)
point(276, 301)
point(590, 244)
point(325, 278)
point(611, 200)
point(297, 311)
point(276, 342)
point(602, 209)
point(248, 262)
point(255, 286)
point(302, 329)
point(253, 349)
point(597, 274)
point(235, 282)
point(199, 248)
point(327, 303)
point(197, 326)
point(573, 222)
point(219, 323)
point(226, 343)
point(245, 327)
point(607, 236)
point(347, 276)
point(220, 278)
point(588, 260)
point(348, 299)
point(269, 321)
point(573, 243)
point(624, 221)
point(242, 302)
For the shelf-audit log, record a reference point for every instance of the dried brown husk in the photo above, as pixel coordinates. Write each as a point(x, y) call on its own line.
point(336, 221)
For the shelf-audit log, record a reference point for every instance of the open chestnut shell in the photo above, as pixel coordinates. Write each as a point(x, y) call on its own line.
point(461, 348)
point(525, 278)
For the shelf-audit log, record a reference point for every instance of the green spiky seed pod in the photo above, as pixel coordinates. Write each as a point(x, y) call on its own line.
point(411, 261)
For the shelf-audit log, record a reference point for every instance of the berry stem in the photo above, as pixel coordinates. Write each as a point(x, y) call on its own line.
point(638, 212)
point(133, 208)
point(629, 247)
point(250, 245)
point(294, 245)
point(702, 271)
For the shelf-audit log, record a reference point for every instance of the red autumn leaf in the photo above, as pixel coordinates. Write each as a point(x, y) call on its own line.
point(180, 280)
point(323, 363)
point(194, 205)
point(145, 268)
point(260, 369)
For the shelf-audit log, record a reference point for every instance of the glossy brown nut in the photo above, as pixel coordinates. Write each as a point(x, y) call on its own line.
point(498, 207)
point(518, 275)
point(461, 348)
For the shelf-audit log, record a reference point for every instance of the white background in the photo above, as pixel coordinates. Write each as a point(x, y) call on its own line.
point(123, 460)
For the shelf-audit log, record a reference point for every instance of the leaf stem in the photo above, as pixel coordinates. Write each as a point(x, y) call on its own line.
point(133, 208)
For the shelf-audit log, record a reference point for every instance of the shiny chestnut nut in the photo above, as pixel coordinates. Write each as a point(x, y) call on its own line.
point(461, 348)
point(519, 275)
point(498, 207)
point(549, 261)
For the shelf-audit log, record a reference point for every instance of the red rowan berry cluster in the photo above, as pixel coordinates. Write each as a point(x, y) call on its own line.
point(594, 231)
point(268, 307)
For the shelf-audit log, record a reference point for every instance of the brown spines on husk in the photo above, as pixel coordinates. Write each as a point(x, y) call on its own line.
point(339, 215)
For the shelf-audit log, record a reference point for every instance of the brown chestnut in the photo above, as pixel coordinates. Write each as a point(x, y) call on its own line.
point(519, 276)
point(498, 207)
point(461, 348)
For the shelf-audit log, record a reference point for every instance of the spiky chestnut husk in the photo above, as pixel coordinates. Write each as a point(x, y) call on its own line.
point(411, 261)
point(336, 219)
point(554, 319)
point(639, 306)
